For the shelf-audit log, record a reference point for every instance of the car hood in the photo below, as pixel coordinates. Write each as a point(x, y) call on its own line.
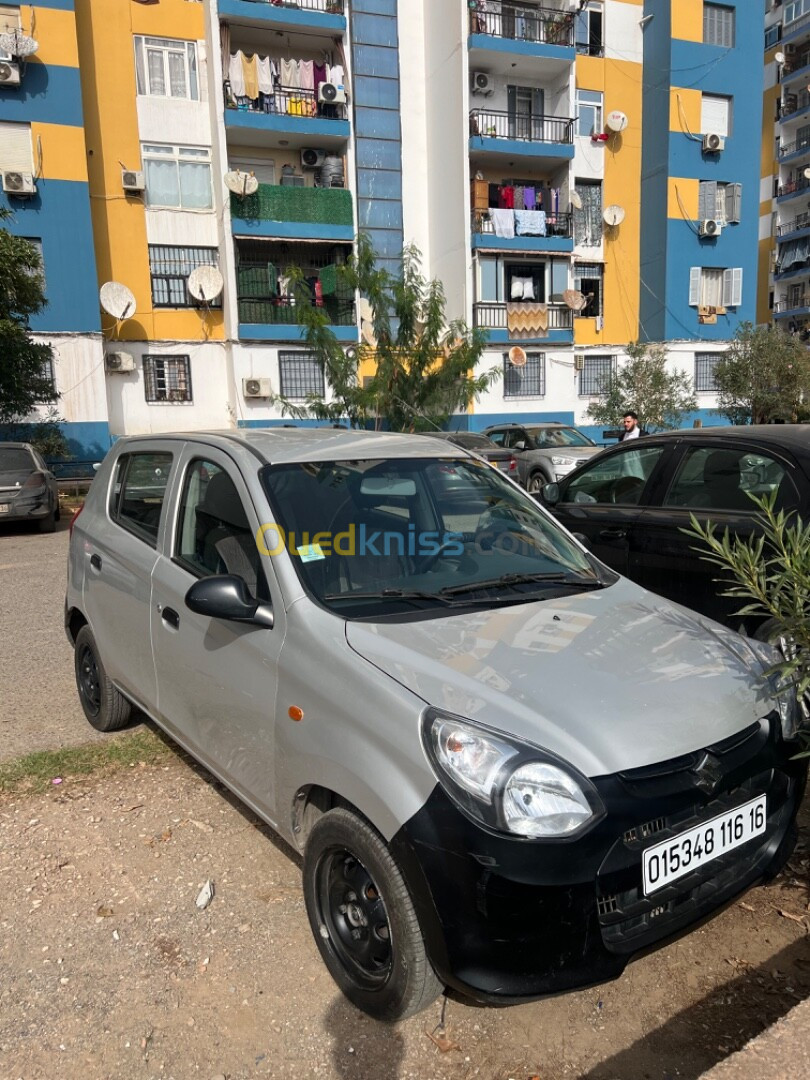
point(608, 680)
point(570, 451)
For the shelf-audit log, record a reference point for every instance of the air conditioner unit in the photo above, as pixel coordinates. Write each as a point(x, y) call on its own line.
point(331, 94)
point(119, 361)
point(132, 181)
point(710, 227)
point(312, 159)
point(256, 388)
point(713, 143)
point(19, 183)
point(579, 362)
point(482, 83)
point(9, 74)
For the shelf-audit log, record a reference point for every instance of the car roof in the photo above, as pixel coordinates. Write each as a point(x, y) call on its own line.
point(280, 445)
point(794, 435)
point(528, 423)
point(17, 445)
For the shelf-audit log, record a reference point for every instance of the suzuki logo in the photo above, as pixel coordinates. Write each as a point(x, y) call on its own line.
point(708, 774)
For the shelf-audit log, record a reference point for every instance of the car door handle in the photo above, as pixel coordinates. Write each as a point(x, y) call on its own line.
point(95, 562)
point(612, 534)
point(170, 617)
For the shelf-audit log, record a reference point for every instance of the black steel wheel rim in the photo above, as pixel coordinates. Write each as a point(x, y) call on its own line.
point(89, 685)
point(352, 912)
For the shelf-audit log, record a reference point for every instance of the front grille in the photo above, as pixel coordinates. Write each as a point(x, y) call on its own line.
point(645, 831)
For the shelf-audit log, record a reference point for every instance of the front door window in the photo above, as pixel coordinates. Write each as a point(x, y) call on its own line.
point(619, 478)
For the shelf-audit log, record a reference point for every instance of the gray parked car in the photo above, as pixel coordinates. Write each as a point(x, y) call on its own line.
point(28, 488)
point(545, 452)
point(507, 768)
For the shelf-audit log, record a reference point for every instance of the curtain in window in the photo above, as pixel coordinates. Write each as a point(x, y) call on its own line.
point(157, 77)
point(793, 253)
point(162, 188)
point(588, 220)
point(194, 92)
point(177, 75)
point(195, 186)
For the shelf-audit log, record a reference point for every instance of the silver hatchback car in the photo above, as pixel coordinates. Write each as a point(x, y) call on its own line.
point(509, 770)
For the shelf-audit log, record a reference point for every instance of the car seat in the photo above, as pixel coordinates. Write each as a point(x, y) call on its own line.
point(721, 483)
point(225, 543)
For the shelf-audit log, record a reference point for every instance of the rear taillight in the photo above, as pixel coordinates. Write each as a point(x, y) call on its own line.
point(512, 464)
point(73, 520)
point(35, 480)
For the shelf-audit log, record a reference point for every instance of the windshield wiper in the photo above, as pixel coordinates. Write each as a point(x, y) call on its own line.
point(390, 594)
point(555, 578)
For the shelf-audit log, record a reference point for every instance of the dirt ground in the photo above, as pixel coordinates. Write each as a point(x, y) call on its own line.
point(109, 970)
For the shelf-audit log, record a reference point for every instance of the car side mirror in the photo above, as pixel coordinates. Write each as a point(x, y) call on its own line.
point(551, 494)
point(583, 539)
point(519, 445)
point(226, 596)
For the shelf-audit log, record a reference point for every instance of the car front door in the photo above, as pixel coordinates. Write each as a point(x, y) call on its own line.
point(713, 481)
point(603, 501)
point(217, 680)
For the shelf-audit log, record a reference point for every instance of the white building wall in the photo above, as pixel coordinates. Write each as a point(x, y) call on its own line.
point(416, 171)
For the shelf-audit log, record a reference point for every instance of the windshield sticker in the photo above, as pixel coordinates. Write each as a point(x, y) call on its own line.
point(311, 552)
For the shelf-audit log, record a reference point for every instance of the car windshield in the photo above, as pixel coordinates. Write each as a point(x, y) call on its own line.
point(15, 459)
point(387, 536)
point(548, 438)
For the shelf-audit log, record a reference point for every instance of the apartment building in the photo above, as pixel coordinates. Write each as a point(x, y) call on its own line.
point(576, 172)
point(43, 169)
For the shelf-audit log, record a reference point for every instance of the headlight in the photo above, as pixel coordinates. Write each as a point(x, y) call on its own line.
point(557, 460)
point(508, 785)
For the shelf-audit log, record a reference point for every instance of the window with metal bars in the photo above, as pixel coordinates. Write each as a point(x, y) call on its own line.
point(167, 379)
point(47, 373)
point(718, 25)
point(526, 381)
point(170, 267)
point(300, 376)
point(595, 376)
point(705, 363)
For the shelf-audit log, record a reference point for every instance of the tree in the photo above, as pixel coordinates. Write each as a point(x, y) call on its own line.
point(24, 382)
point(763, 376)
point(424, 367)
point(660, 398)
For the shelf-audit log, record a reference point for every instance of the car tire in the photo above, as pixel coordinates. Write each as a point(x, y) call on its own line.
point(105, 707)
point(48, 523)
point(57, 514)
point(536, 483)
point(364, 920)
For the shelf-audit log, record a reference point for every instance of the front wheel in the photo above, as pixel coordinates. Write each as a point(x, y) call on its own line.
point(105, 708)
point(536, 483)
point(363, 919)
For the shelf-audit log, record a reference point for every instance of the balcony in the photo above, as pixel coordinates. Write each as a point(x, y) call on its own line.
point(327, 15)
point(289, 112)
point(793, 105)
point(294, 213)
point(504, 135)
point(794, 149)
point(520, 31)
point(792, 188)
point(502, 321)
point(797, 224)
point(797, 28)
point(269, 306)
point(554, 232)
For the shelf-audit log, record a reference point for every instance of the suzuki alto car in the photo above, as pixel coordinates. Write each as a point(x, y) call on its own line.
point(509, 769)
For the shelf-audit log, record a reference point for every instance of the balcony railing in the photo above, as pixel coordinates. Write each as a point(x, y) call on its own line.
point(801, 221)
point(329, 7)
point(286, 101)
point(488, 316)
point(788, 304)
point(275, 202)
point(531, 128)
point(285, 311)
point(793, 103)
point(266, 293)
point(555, 225)
point(519, 22)
point(793, 187)
point(786, 149)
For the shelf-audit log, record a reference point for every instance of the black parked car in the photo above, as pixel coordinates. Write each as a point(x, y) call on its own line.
point(632, 501)
point(28, 488)
point(503, 460)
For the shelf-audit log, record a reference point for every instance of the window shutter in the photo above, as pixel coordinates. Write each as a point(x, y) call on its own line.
point(694, 286)
point(15, 148)
point(707, 200)
point(714, 114)
point(732, 287)
point(733, 203)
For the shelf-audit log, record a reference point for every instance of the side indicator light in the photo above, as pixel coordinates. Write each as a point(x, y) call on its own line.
point(295, 713)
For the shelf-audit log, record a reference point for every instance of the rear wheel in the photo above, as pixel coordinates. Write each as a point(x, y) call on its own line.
point(363, 919)
point(105, 708)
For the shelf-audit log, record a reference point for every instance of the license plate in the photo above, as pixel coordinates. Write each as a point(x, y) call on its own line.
point(4, 508)
point(672, 859)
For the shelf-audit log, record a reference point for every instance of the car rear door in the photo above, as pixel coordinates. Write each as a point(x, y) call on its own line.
point(603, 500)
point(119, 549)
point(710, 479)
point(217, 680)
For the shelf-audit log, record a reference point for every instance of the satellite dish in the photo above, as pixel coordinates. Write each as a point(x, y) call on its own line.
point(241, 183)
point(18, 45)
point(806, 173)
point(351, 353)
point(576, 200)
point(616, 121)
point(117, 300)
point(517, 356)
point(613, 215)
point(205, 283)
point(779, 58)
point(574, 299)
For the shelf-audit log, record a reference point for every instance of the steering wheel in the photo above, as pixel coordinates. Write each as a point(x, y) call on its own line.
point(427, 563)
point(624, 486)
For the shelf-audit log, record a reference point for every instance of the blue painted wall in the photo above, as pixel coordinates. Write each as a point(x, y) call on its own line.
point(669, 246)
point(378, 138)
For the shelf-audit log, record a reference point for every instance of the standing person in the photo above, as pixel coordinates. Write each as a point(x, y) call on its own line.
point(631, 428)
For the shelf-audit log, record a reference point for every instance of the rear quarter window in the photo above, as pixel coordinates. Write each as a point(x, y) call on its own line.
point(138, 492)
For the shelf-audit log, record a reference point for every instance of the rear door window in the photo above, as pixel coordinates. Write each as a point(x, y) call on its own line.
point(138, 492)
point(725, 478)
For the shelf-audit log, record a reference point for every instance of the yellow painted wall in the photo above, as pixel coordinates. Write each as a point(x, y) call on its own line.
point(684, 110)
point(763, 269)
point(687, 19)
point(620, 81)
point(64, 154)
point(683, 198)
point(769, 168)
point(56, 33)
point(111, 125)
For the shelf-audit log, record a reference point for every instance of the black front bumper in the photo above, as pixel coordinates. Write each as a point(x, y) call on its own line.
point(507, 919)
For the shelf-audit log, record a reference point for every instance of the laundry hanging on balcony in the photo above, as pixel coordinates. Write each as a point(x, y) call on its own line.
point(792, 254)
point(503, 223)
point(530, 222)
point(525, 321)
